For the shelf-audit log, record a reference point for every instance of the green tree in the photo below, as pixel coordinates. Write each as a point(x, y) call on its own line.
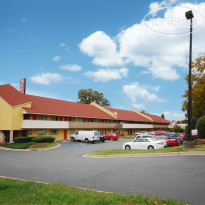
point(177, 128)
point(88, 96)
point(198, 88)
point(200, 126)
point(162, 116)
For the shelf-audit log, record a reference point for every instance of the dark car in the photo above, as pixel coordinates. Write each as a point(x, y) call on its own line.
point(102, 137)
point(174, 136)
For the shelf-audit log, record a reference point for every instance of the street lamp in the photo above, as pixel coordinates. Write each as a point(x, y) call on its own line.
point(189, 15)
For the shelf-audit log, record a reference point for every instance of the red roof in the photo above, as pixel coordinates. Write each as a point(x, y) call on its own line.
point(12, 96)
point(42, 105)
point(158, 119)
point(128, 115)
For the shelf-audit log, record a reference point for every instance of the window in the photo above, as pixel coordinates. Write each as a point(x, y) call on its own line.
point(79, 119)
point(53, 132)
point(42, 117)
point(41, 132)
point(54, 118)
point(71, 131)
point(71, 119)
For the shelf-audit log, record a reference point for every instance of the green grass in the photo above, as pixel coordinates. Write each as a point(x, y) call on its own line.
point(27, 192)
point(164, 150)
point(18, 146)
point(41, 146)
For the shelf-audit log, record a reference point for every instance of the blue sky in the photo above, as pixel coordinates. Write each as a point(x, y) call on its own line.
point(61, 46)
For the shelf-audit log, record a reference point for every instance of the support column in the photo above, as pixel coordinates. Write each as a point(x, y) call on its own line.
point(11, 136)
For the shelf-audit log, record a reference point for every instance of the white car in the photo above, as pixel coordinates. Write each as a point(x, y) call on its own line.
point(143, 143)
point(142, 133)
point(151, 137)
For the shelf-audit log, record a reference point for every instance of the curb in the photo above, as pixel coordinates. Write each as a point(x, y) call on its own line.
point(29, 150)
point(168, 154)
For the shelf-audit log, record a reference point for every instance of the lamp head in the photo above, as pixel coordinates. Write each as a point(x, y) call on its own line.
point(189, 14)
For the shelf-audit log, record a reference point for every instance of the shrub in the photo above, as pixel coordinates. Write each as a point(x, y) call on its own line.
point(43, 139)
point(177, 128)
point(18, 140)
point(200, 126)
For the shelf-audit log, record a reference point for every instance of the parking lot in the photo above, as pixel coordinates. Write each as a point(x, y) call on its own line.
point(179, 177)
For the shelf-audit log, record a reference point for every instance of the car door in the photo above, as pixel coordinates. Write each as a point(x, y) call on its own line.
point(136, 144)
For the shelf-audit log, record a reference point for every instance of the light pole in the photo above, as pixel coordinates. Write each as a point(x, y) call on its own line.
point(189, 15)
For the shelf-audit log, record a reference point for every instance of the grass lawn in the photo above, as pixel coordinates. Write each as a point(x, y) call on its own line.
point(18, 146)
point(42, 145)
point(27, 192)
point(29, 145)
point(164, 150)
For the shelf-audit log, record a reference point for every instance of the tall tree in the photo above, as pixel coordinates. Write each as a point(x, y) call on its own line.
point(162, 116)
point(198, 88)
point(88, 96)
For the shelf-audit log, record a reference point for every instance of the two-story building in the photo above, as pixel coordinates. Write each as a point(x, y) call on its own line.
point(29, 115)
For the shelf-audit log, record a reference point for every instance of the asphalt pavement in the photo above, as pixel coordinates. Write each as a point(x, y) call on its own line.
point(178, 177)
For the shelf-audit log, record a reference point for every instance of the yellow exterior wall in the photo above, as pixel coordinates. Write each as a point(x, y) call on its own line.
point(11, 117)
point(59, 136)
point(5, 115)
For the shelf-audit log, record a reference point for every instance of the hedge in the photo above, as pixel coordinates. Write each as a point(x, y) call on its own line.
point(43, 139)
point(200, 126)
point(18, 140)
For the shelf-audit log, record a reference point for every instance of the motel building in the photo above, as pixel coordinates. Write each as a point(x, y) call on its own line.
point(29, 115)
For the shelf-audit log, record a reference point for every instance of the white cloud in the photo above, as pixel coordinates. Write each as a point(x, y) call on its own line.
point(138, 106)
point(173, 115)
point(47, 78)
point(62, 44)
point(57, 58)
point(156, 5)
point(104, 50)
point(24, 20)
point(137, 93)
point(161, 55)
point(107, 74)
point(71, 67)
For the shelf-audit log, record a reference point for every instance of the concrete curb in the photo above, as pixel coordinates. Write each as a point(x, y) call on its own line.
point(168, 154)
point(28, 150)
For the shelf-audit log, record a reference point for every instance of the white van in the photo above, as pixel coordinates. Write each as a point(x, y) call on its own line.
point(86, 136)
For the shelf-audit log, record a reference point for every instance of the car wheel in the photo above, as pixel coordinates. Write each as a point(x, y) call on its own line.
point(72, 139)
point(102, 140)
point(127, 147)
point(150, 147)
point(86, 140)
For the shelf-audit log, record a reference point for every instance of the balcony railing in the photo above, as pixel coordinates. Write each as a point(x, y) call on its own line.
point(136, 126)
point(44, 124)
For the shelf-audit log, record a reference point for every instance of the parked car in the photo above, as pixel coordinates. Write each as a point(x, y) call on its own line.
point(102, 137)
point(164, 139)
point(174, 136)
point(112, 136)
point(86, 136)
point(182, 135)
point(142, 133)
point(151, 137)
point(143, 143)
point(157, 133)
